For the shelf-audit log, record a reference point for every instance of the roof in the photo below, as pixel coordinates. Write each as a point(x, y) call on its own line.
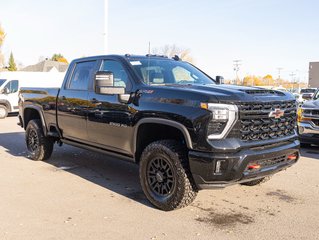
point(47, 66)
point(126, 56)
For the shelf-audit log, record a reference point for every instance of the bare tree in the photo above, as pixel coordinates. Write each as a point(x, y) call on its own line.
point(172, 50)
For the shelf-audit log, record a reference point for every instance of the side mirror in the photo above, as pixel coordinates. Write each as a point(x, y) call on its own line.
point(5, 90)
point(219, 80)
point(104, 83)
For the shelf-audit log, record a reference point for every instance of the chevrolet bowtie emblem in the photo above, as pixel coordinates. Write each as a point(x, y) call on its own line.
point(277, 113)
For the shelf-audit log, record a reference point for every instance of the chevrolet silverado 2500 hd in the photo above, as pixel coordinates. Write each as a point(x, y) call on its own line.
point(185, 130)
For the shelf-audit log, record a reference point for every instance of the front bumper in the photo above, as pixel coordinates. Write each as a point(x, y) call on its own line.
point(217, 170)
point(308, 132)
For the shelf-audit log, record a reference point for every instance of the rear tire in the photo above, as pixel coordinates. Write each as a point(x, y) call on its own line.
point(165, 176)
point(3, 112)
point(256, 182)
point(39, 147)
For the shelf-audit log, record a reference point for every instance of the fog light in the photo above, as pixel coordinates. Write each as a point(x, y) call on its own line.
point(220, 166)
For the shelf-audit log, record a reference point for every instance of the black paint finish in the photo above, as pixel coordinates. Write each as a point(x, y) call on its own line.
point(108, 123)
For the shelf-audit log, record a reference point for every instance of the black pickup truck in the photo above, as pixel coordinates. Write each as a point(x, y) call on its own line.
point(186, 130)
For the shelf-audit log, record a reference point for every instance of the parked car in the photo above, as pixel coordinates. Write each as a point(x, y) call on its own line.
point(308, 121)
point(307, 93)
point(186, 130)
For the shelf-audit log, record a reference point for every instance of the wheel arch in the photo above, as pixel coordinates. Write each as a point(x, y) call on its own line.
point(31, 113)
point(174, 129)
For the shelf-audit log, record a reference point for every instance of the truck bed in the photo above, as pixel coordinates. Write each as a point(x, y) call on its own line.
point(43, 99)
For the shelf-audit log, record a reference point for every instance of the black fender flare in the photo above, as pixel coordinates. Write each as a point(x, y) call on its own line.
point(167, 122)
point(39, 110)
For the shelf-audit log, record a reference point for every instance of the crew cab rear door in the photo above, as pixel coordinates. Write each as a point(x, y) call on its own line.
point(73, 101)
point(109, 120)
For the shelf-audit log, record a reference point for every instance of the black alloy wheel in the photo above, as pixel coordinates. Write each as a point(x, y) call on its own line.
point(161, 178)
point(39, 146)
point(32, 141)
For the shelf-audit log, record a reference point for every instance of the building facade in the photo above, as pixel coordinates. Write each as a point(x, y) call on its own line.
point(314, 74)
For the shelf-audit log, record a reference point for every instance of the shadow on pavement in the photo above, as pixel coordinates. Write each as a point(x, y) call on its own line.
point(13, 143)
point(116, 175)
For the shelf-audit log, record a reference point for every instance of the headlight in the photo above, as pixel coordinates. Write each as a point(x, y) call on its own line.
point(223, 118)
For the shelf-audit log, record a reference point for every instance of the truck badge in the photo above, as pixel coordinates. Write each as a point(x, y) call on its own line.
point(277, 113)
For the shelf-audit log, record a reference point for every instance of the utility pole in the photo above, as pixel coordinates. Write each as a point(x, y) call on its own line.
point(279, 71)
point(106, 34)
point(236, 65)
point(292, 75)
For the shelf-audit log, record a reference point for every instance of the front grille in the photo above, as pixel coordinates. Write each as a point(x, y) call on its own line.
point(215, 127)
point(272, 161)
point(311, 113)
point(255, 123)
point(268, 162)
point(315, 121)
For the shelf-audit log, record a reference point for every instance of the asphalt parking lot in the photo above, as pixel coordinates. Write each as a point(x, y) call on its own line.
point(79, 194)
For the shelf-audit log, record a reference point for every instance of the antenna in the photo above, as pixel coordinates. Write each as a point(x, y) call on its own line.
point(148, 64)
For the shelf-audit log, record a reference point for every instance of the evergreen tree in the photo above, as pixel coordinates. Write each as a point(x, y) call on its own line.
point(12, 64)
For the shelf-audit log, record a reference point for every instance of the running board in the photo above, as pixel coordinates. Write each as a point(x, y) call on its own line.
point(100, 150)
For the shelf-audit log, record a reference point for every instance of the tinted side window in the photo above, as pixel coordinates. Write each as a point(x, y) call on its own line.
point(13, 86)
point(81, 75)
point(119, 74)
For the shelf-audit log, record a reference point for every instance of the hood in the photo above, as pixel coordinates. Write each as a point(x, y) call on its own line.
point(314, 104)
point(234, 93)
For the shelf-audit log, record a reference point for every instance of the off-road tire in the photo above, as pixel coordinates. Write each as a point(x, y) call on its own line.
point(4, 111)
point(256, 182)
point(39, 147)
point(184, 190)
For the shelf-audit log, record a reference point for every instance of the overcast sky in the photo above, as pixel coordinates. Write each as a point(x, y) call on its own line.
point(264, 34)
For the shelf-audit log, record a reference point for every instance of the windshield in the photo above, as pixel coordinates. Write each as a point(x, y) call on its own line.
point(2, 82)
point(316, 95)
point(308, 90)
point(164, 71)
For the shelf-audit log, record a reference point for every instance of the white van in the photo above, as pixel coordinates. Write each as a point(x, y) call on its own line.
point(11, 82)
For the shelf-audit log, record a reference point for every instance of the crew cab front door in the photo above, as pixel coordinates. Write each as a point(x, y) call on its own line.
point(109, 120)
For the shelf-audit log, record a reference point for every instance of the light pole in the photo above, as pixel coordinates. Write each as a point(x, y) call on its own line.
point(279, 71)
point(106, 34)
point(236, 64)
point(292, 75)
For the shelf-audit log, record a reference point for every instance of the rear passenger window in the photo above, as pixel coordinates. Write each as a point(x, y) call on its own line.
point(81, 75)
